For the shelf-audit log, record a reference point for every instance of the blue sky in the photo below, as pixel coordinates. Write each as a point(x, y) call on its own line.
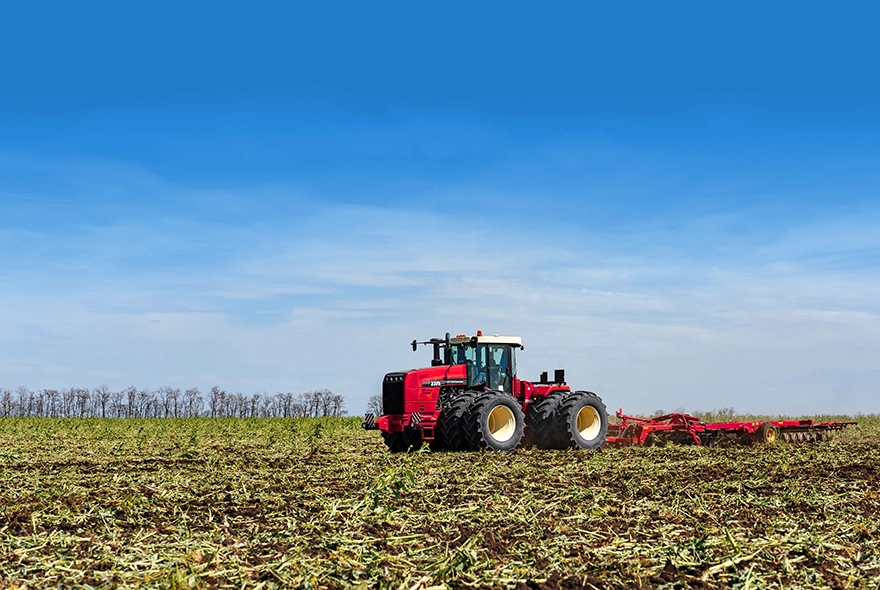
point(677, 202)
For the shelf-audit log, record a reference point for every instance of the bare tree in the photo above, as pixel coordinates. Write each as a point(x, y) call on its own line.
point(101, 397)
point(215, 397)
point(167, 402)
point(52, 402)
point(83, 402)
point(67, 401)
point(7, 406)
point(146, 404)
point(193, 402)
point(167, 399)
point(25, 401)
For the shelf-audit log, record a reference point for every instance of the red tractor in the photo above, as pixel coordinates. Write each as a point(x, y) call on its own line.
point(471, 398)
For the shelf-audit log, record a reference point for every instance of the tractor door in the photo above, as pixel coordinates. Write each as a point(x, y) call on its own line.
point(502, 367)
point(474, 358)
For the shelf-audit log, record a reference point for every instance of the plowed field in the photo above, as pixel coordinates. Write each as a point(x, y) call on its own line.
point(319, 503)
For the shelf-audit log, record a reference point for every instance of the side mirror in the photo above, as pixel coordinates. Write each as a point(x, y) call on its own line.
point(415, 345)
point(448, 341)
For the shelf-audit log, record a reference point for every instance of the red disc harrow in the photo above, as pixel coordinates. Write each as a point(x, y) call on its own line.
point(687, 429)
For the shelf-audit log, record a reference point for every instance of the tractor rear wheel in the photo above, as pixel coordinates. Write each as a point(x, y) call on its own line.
point(582, 421)
point(402, 442)
point(452, 421)
point(541, 421)
point(766, 433)
point(495, 421)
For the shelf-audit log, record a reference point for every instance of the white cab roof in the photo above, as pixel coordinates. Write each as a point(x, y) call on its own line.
point(496, 339)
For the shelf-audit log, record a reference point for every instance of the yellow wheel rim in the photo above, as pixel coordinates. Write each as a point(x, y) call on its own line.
point(771, 435)
point(502, 423)
point(589, 423)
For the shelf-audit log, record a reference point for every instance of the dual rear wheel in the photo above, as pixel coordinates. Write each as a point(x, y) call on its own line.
point(567, 420)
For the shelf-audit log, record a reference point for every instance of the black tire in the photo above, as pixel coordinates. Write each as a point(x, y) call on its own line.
point(495, 422)
point(766, 434)
point(541, 421)
point(452, 421)
point(582, 421)
point(402, 442)
point(437, 445)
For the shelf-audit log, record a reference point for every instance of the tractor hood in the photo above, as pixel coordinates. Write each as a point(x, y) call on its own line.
point(417, 390)
point(442, 376)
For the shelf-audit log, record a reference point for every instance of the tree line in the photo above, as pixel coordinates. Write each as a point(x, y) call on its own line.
point(166, 402)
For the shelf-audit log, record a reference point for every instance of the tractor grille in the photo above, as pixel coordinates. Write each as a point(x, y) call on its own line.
point(392, 393)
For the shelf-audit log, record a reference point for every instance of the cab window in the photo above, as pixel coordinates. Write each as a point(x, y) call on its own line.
point(487, 364)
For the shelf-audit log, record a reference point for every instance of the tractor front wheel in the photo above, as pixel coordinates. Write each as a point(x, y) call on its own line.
point(495, 422)
point(453, 421)
point(402, 442)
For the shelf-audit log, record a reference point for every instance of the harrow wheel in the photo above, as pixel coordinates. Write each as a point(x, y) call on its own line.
point(541, 429)
point(766, 433)
point(452, 424)
point(582, 421)
point(495, 422)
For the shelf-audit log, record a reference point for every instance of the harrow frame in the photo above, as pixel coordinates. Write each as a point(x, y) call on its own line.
point(687, 429)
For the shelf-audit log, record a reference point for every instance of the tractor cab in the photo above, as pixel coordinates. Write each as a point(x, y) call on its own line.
point(490, 360)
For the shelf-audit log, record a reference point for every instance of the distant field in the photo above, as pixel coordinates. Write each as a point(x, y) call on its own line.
point(198, 503)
